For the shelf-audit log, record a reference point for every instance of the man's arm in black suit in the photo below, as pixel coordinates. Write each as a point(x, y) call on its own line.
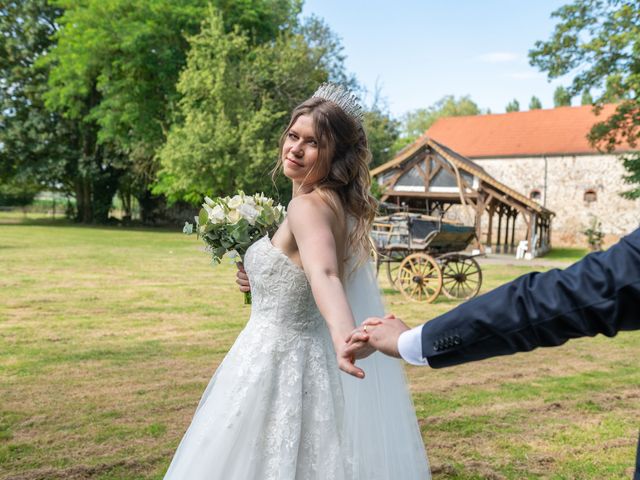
point(598, 294)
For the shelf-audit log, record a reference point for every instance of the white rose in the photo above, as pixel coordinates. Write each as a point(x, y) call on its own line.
point(235, 202)
point(216, 214)
point(249, 213)
point(209, 202)
point(233, 216)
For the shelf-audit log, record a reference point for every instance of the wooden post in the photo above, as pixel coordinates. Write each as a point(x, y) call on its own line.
point(479, 211)
point(513, 231)
point(499, 229)
point(532, 228)
point(489, 231)
point(506, 233)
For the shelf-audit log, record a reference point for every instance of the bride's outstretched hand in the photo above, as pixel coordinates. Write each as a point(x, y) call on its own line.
point(242, 279)
point(347, 362)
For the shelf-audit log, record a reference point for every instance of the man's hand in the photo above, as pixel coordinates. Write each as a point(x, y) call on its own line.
point(242, 279)
point(382, 334)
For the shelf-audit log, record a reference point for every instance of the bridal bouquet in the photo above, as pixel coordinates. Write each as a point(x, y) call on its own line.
point(230, 225)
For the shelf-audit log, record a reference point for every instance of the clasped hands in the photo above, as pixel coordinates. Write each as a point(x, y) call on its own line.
point(374, 334)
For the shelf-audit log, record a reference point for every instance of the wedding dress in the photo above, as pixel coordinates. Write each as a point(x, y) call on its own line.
point(278, 407)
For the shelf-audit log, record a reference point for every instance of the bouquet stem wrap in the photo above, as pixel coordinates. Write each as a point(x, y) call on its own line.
point(247, 295)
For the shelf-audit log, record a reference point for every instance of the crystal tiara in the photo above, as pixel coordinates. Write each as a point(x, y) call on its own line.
point(342, 97)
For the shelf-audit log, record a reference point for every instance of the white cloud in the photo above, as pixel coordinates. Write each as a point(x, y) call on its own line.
point(498, 57)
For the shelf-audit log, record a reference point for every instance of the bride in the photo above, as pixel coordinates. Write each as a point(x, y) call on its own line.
point(277, 407)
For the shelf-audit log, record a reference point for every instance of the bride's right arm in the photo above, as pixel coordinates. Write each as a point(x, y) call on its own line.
point(312, 224)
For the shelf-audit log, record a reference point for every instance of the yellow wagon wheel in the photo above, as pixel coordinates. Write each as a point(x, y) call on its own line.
point(420, 278)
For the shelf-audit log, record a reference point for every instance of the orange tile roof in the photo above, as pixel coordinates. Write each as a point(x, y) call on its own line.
point(557, 131)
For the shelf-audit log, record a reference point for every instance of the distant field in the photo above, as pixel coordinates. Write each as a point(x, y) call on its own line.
point(108, 337)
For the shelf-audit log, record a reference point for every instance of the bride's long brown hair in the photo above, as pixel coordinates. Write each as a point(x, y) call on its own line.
point(343, 153)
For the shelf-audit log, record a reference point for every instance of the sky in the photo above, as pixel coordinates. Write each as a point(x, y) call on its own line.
point(416, 52)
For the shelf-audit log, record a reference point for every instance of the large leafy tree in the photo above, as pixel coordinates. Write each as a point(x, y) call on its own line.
point(599, 42)
point(37, 148)
point(113, 72)
point(236, 100)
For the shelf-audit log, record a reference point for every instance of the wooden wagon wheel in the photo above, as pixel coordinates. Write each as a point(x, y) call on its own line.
point(393, 265)
point(461, 277)
point(392, 272)
point(420, 278)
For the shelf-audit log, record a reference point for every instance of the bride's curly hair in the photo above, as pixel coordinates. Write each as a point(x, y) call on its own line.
point(343, 153)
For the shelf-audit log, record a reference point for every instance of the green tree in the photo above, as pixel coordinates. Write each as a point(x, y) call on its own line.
point(586, 98)
point(38, 149)
point(417, 122)
point(535, 103)
point(598, 42)
point(561, 97)
point(236, 100)
point(113, 72)
point(382, 131)
point(513, 106)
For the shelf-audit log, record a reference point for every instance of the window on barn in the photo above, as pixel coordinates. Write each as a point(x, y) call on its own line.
point(535, 194)
point(590, 196)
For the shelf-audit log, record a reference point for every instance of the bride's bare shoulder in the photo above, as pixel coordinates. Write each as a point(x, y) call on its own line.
point(313, 208)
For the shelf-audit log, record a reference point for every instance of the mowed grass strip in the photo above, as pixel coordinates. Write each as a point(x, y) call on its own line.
point(109, 336)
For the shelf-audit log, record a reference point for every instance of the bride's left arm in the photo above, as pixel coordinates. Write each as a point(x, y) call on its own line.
point(313, 223)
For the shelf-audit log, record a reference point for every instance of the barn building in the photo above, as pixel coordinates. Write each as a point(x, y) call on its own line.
point(545, 155)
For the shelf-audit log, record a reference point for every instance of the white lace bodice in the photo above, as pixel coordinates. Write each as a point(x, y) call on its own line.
point(280, 292)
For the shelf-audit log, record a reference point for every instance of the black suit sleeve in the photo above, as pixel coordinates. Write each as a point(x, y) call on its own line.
point(598, 294)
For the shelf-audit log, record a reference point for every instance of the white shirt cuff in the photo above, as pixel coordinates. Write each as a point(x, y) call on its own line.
point(410, 346)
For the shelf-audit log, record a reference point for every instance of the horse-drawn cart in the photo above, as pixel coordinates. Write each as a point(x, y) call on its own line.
point(422, 256)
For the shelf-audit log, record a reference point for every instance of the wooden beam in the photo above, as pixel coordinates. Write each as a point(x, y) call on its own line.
point(427, 172)
point(449, 197)
point(409, 165)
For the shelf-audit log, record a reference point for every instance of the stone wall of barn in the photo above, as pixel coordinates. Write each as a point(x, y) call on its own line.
point(577, 188)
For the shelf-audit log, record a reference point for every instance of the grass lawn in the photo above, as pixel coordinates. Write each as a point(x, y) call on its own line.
point(108, 337)
point(566, 254)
